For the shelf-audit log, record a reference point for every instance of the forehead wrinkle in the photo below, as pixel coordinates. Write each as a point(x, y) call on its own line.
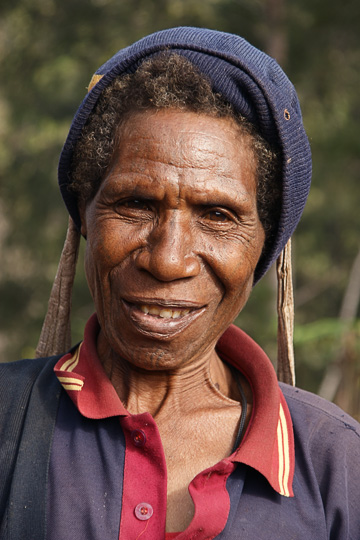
point(133, 183)
point(233, 191)
point(185, 164)
point(166, 155)
point(186, 151)
point(182, 161)
point(158, 181)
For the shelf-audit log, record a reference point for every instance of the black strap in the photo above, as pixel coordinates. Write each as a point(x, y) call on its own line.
point(243, 402)
point(29, 400)
point(16, 382)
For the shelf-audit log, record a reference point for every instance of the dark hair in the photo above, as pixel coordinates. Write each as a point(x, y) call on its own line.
point(168, 80)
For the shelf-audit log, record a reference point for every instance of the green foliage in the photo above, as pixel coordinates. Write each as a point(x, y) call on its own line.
point(48, 52)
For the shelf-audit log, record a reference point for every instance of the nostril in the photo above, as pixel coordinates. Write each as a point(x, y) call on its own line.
point(142, 259)
point(166, 266)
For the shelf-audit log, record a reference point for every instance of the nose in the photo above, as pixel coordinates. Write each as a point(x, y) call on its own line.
point(169, 254)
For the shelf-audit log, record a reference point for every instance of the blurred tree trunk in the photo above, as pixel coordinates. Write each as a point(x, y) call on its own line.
point(341, 382)
point(276, 40)
point(348, 392)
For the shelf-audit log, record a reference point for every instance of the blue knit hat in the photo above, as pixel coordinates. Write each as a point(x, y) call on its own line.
point(252, 82)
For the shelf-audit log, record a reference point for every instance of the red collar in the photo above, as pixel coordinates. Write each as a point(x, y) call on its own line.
point(268, 445)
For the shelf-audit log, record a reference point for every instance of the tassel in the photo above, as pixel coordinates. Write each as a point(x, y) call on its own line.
point(285, 310)
point(55, 337)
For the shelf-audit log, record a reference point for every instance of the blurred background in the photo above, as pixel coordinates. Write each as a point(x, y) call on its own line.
point(48, 52)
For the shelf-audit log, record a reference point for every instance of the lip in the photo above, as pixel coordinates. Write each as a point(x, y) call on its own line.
point(158, 327)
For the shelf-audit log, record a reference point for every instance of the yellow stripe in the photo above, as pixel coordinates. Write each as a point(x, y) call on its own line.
point(72, 387)
point(281, 458)
point(71, 364)
point(94, 80)
point(285, 436)
point(71, 380)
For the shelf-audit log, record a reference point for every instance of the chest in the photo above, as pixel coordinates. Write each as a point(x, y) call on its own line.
point(98, 478)
point(191, 448)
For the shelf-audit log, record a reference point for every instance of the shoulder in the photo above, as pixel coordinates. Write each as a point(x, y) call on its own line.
point(15, 372)
point(29, 366)
point(327, 440)
point(17, 378)
point(327, 456)
point(25, 369)
point(309, 411)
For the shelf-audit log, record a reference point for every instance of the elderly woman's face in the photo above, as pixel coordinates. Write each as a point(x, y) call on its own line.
point(173, 237)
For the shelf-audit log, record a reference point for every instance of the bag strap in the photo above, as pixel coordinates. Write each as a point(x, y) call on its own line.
point(29, 401)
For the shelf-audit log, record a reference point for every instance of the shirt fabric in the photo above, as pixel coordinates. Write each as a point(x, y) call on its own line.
point(111, 464)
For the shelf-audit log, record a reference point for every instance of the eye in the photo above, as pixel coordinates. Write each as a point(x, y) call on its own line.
point(135, 204)
point(219, 215)
point(133, 207)
point(216, 215)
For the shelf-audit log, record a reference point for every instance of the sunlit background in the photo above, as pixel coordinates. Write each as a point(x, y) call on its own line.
point(48, 52)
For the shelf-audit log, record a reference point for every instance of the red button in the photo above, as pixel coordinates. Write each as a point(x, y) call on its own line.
point(144, 511)
point(138, 437)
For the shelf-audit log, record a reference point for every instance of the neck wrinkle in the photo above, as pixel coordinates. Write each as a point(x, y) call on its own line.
point(175, 391)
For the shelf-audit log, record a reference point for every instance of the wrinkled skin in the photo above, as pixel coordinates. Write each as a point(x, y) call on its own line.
point(173, 239)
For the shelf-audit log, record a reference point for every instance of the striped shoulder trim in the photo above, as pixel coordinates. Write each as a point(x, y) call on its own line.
point(285, 453)
point(65, 375)
point(71, 383)
point(94, 80)
point(71, 362)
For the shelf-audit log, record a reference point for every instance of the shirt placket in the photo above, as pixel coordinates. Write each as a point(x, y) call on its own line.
point(145, 481)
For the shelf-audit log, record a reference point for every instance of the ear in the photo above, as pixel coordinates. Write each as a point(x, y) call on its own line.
point(82, 212)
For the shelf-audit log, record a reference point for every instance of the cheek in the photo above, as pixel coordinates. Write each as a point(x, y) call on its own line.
point(234, 266)
point(100, 256)
point(241, 296)
point(109, 243)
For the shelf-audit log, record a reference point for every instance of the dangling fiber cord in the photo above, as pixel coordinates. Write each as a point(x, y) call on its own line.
point(55, 337)
point(285, 309)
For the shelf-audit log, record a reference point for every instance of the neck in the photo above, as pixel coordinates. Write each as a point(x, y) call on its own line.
point(203, 381)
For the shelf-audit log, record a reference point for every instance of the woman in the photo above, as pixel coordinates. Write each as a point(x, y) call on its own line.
point(186, 170)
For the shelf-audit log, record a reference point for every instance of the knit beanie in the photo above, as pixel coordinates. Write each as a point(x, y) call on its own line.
point(251, 81)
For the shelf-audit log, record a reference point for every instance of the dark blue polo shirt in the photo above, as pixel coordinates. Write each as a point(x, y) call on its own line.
point(107, 477)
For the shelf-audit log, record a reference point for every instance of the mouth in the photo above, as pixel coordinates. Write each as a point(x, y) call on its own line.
point(164, 313)
point(162, 320)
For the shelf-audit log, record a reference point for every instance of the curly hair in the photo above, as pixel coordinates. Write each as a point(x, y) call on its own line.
point(165, 81)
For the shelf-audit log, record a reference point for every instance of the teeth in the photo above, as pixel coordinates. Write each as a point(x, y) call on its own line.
point(153, 310)
point(164, 313)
